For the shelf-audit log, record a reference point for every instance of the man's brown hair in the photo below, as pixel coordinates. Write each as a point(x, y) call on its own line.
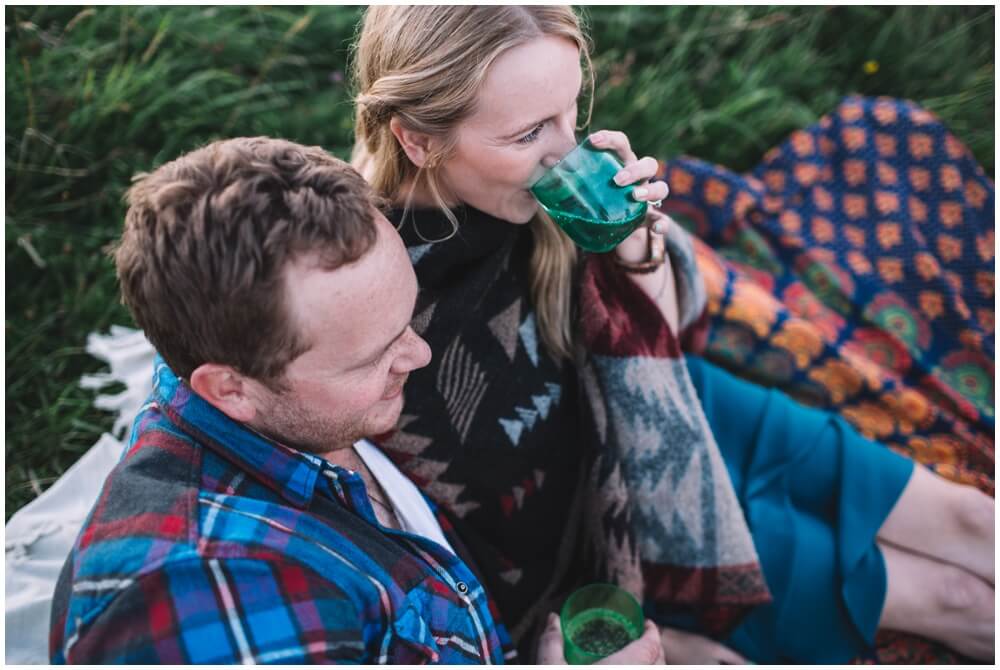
point(207, 238)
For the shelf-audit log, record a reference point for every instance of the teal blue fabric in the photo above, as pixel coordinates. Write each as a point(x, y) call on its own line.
point(815, 492)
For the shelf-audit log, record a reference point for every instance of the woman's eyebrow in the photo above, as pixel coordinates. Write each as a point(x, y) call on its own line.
point(524, 129)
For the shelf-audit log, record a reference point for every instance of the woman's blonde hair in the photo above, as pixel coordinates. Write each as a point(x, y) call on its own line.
point(425, 65)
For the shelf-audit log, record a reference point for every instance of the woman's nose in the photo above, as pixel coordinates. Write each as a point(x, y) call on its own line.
point(563, 141)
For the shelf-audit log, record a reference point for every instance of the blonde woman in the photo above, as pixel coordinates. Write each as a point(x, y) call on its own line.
point(511, 426)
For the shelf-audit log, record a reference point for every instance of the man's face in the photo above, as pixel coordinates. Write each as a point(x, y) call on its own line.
point(356, 319)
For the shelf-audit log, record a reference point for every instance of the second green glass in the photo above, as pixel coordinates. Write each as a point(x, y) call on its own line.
point(598, 620)
point(580, 195)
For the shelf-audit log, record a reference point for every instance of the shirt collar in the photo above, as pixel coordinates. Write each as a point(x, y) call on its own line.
point(289, 472)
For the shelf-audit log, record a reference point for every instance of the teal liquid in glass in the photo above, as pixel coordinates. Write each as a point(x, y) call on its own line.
point(600, 233)
point(580, 195)
point(600, 631)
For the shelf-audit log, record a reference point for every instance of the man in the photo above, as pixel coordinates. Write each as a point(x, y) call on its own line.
point(244, 524)
point(249, 521)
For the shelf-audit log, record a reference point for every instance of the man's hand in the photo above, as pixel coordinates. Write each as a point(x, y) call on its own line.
point(647, 650)
point(684, 648)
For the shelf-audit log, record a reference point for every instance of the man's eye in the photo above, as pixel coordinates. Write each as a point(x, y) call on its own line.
point(533, 135)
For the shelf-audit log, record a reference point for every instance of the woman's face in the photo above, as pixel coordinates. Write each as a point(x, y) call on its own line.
point(525, 119)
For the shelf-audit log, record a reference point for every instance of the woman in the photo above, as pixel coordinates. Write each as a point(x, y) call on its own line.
point(456, 108)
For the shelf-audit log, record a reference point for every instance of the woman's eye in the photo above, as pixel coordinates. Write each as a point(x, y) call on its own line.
point(532, 136)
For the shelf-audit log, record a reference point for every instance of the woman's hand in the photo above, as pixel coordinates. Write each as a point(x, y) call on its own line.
point(647, 650)
point(658, 285)
point(684, 648)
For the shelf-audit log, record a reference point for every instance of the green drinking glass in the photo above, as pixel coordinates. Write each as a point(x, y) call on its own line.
point(598, 620)
point(580, 195)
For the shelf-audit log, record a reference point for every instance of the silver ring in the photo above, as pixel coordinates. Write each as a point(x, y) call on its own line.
point(655, 203)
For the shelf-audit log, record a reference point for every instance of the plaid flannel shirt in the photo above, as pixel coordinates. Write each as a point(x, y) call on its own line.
point(211, 544)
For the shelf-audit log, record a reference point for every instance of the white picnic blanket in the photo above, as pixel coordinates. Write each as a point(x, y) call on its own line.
point(38, 537)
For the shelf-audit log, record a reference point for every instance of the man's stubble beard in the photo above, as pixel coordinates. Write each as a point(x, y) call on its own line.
point(291, 424)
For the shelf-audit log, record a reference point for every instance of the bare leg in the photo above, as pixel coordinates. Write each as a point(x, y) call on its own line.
point(944, 520)
point(939, 601)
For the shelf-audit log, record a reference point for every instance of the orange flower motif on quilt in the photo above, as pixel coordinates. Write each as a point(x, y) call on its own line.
point(985, 245)
point(918, 210)
point(975, 193)
point(950, 178)
point(870, 419)
point(985, 282)
point(826, 146)
point(855, 206)
point(886, 202)
point(885, 144)
point(822, 229)
point(851, 111)
point(950, 213)
point(855, 139)
point(921, 117)
point(858, 262)
point(920, 178)
point(855, 235)
point(806, 173)
point(802, 143)
point(970, 339)
point(681, 181)
point(800, 339)
point(887, 174)
point(986, 318)
point(961, 307)
point(752, 306)
point(839, 379)
point(742, 204)
point(885, 113)
point(911, 405)
point(822, 198)
point(891, 269)
point(949, 247)
point(854, 171)
point(716, 191)
point(790, 221)
point(888, 234)
point(931, 304)
point(934, 450)
point(921, 145)
point(953, 146)
point(775, 180)
point(927, 265)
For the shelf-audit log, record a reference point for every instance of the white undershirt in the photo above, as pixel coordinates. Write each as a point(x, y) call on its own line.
point(411, 509)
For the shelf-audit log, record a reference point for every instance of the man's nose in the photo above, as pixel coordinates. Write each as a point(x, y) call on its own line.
point(417, 353)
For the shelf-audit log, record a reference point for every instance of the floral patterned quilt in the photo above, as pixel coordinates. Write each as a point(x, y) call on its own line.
point(854, 269)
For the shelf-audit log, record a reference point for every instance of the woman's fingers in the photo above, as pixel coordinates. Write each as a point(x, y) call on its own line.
point(617, 141)
point(688, 648)
point(644, 168)
point(652, 191)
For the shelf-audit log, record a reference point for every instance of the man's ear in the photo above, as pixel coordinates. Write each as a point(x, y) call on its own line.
point(226, 390)
point(416, 145)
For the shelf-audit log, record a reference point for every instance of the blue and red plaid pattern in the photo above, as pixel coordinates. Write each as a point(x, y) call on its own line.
point(212, 544)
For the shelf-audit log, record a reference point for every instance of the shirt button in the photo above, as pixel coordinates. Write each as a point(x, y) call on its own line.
point(462, 588)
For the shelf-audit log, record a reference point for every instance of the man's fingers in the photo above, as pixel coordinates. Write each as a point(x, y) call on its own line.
point(550, 643)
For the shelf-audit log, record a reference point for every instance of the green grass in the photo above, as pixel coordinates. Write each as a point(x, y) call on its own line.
point(95, 95)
